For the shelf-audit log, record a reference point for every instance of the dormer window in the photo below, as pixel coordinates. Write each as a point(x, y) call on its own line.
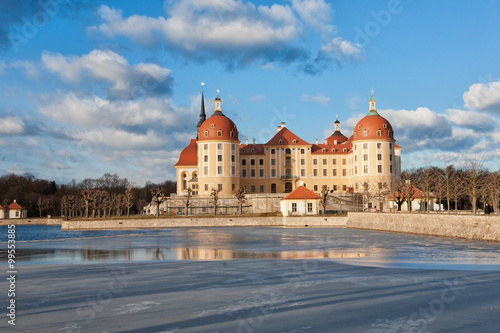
point(243, 151)
point(294, 141)
point(334, 150)
point(324, 150)
point(206, 134)
point(359, 128)
point(355, 135)
point(379, 133)
point(281, 141)
point(385, 126)
point(390, 134)
point(251, 150)
point(335, 141)
point(345, 150)
point(365, 133)
point(219, 133)
point(212, 126)
point(231, 134)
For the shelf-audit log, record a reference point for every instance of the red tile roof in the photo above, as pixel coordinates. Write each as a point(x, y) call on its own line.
point(372, 124)
point(15, 205)
point(218, 122)
point(301, 193)
point(189, 156)
point(397, 146)
point(258, 149)
point(286, 136)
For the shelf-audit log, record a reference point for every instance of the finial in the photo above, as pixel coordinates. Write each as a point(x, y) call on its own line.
point(218, 91)
point(337, 117)
point(372, 92)
point(202, 84)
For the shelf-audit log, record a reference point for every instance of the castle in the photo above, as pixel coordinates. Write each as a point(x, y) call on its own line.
point(217, 158)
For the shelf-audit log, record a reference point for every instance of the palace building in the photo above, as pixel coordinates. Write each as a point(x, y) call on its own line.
point(217, 158)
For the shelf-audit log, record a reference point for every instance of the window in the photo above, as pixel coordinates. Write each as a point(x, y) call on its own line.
point(294, 207)
point(365, 157)
point(325, 172)
point(390, 146)
point(219, 186)
point(379, 168)
point(273, 173)
point(379, 133)
point(205, 171)
point(252, 188)
point(365, 146)
point(273, 151)
point(390, 157)
point(252, 150)
point(359, 128)
point(233, 170)
point(391, 168)
point(243, 162)
point(288, 151)
point(273, 188)
point(206, 134)
point(302, 172)
point(389, 133)
point(205, 158)
point(231, 134)
point(212, 126)
point(334, 188)
point(232, 158)
point(365, 168)
point(261, 162)
point(315, 187)
point(323, 150)
point(233, 186)
point(355, 158)
point(315, 172)
point(355, 135)
point(334, 161)
point(288, 161)
point(343, 161)
point(252, 173)
point(273, 161)
point(261, 173)
point(219, 170)
point(325, 162)
point(233, 147)
point(302, 161)
point(384, 126)
point(219, 158)
point(355, 170)
point(288, 173)
point(344, 172)
point(280, 141)
point(252, 162)
point(219, 146)
point(344, 188)
point(334, 172)
point(379, 145)
point(379, 157)
point(205, 146)
point(206, 187)
point(334, 150)
point(184, 181)
point(219, 133)
point(309, 207)
point(294, 141)
point(261, 188)
point(315, 161)
point(302, 151)
point(243, 173)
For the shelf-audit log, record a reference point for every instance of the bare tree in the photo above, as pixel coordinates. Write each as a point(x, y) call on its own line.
point(88, 197)
point(424, 181)
point(129, 199)
point(157, 198)
point(240, 196)
point(449, 177)
point(324, 197)
point(474, 173)
point(381, 194)
point(493, 183)
point(214, 199)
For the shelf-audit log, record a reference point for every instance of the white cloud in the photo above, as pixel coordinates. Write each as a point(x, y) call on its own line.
point(342, 50)
point(483, 97)
point(316, 13)
point(125, 80)
point(471, 119)
point(256, 98)
point(319, 99)
point(119, 139)
point(28, 67)
point(12, 126)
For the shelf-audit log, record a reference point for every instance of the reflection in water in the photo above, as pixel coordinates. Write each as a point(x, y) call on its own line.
point(172, 254)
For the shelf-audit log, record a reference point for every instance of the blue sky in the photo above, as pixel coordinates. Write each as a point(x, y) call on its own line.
point(88, 87)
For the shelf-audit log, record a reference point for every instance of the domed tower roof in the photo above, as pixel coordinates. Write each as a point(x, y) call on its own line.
point(189, 155)
point(373, 125)
point(218, 126)
point(337, 137)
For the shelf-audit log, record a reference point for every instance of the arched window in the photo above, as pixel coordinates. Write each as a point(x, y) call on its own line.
point(390, 134)
point(219, 133)
point(231, 134)
point(385, 126)
point(294, 141)
point(333, 150)
point(281, 141)
point(184, 181)
point(323, 150)
point(345, 150)
point(206, 134)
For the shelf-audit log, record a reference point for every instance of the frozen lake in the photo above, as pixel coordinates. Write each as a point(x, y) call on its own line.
point(50, 245)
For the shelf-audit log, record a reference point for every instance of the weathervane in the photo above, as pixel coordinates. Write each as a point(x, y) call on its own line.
point(202, 84)
point(218, 91)
point(372, 92)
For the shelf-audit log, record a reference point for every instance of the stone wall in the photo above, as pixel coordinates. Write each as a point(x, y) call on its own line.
point(190, 222)
point(477, 227)
point(32, 221)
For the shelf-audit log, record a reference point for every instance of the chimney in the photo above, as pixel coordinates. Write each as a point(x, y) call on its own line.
point(283, 124)
point(253, 141)
point(316, 142)
point(246, 141)
point(326, 141)
point(14, 200)
point(279, 128)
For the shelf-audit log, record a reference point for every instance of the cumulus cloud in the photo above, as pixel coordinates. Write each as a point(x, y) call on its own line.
point(12, 126)
point(477, 121)
point(483, 97)
point(28, 67)
point(120, 139)
point(124, 81)
point(319, 99)
point(235, 32)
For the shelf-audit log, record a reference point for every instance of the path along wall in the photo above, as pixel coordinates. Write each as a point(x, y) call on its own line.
point(479, 227)
point(186, 222)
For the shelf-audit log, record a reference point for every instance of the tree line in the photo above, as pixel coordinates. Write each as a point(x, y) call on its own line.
point(108, 195)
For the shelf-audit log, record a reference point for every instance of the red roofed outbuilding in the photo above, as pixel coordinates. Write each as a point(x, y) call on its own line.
point(302, 201)
point(16, 211)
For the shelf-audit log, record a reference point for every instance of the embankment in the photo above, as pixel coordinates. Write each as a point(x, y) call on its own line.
point(32, 221)
point(195, 222)
point(477, 227)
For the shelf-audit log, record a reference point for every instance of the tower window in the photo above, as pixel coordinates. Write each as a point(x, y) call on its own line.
point(390, 134)
point(379, 157)
point(212, 126)
point(379, 168)
point(365, 133)
point(219, 146)
point(379, 133)
point(219, 133)
point(359, 128)
point(219, 170)
point(281, 141)
point(355, 135)
point(206, 134)
point(379, 145)
point(385, 126)
point(205, 158)
point(219, 158)
point(231, 134)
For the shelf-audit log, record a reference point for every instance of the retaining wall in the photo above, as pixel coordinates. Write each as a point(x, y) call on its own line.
point(478, 227)
point(33, 221)
point(186, 222)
